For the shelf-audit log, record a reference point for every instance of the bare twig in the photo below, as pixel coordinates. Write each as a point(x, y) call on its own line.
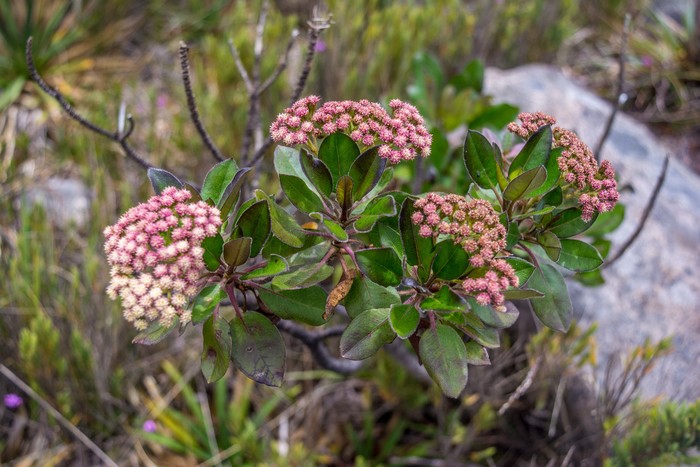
point(524, 386)
point(314, 341)
point(241, 68)
point(282, 65)
point(117, 136)
point(192, 104)
point(620, 85)
point(316, 26)
point(79, 435)
point(645, 216)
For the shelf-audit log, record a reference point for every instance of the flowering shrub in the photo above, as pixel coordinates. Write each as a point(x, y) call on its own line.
point(434, 269)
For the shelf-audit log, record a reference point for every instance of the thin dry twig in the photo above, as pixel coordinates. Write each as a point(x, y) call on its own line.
point(645, 215)
point(192, 104)
point(241, 68)
point(317, 25)
point(79, 435)
point(620, 86)
point(524, 386)
point(117, 136)
point(314, 341)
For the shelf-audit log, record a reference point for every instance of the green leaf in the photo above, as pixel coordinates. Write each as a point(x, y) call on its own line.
point(534, 154)
point(376, 209)
point(480, 160)
point(451, 261)
point(444, 355)
point(299, 194)
point(343, 193)
point(471, 77)
point(304, 276)
point(590, 279)
point(381, 265)
point(218, 178)
point(404, 320)
point(491, 317)
point(366, 171)
point(338, 151)
point(154, 333)
point(366, 334)
point(523, 269)
point(480, 332)
point(553, 173)
point(551, 244)
point(512, 234)
point(305, 305)
point(476, 354)
point(217, 348)
point(284, 227)
point(525, 183)
point(367, 295)
point(237, 251)
point(11, 92)
point(288, 162)
point(258, 349)
point(607, 222)
point(552, 198)
point(213, 248)
point(569, 223)
point(255, 222)
point(444, 300)
point(232, 192)
point(579, 256)
point(161, 179)
point(206, 301)
point(554, 309)
point(333, 227)
point(417, 249)
point(275, 265)
point(317, 172)
point(521, 294)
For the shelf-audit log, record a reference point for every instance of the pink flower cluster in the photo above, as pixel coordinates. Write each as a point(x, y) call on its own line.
point(475, 226)
point(155, 253)
point(401, 137)
point(594, 185)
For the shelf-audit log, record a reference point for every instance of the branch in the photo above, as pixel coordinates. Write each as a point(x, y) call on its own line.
point(316, 25)
point(620, 84)
point(79, 435)
point(117, 137)
point(524, 386)
point(645, 216)
point(192, 104)
point(282, 65)
point(241, 69)
point(314, 341)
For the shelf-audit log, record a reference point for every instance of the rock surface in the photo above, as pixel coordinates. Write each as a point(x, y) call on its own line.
point(66, 201)
point(653, 291)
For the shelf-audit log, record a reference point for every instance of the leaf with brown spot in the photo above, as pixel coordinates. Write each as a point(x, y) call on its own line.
point(338, 294)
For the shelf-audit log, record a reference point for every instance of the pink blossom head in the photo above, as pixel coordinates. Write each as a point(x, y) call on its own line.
point(155, 254)
point(401, 136)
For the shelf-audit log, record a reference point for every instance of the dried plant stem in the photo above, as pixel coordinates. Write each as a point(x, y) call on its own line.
point(645, 215)
point(79, 435)
point(117, 136)
point(316, 26)
point(524, 386)
point(192, 104)
point(620, 86)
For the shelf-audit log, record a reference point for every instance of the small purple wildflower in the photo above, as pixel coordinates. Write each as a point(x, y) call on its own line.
point(320, 46)
point(12, 401)
point(149, 426)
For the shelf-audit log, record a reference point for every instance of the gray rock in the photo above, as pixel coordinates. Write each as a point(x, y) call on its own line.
point(66, 201)
point(653, 291)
